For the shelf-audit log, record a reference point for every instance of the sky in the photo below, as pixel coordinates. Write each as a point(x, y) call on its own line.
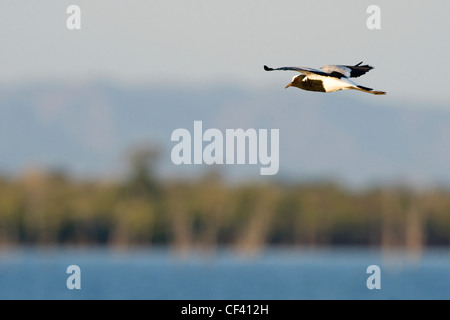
point(159, 49)
point(205, 43)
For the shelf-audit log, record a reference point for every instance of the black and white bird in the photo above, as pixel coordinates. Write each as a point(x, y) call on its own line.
point(329, 78)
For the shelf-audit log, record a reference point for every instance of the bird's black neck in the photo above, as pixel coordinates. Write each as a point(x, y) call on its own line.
point(308, 84)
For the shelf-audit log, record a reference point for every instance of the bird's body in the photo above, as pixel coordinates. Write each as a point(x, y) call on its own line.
point(329, 78)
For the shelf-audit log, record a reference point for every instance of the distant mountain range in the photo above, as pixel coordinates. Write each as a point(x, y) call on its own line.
point(351, 137)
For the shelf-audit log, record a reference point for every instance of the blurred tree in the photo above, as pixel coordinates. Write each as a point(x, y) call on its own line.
point(142, 180)
point(437, 223)
point(53, 208)
point(178, 202)
point(45, 205)
point(258, 211)
point(12, 199)
point(214, 206)
point(133, 222)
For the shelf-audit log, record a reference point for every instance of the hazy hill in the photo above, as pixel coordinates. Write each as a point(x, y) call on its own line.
point(87, 129)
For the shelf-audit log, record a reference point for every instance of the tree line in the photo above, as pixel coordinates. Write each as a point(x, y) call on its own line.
point(50, 208)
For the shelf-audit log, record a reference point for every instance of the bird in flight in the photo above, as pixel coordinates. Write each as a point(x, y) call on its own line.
point(329, 78)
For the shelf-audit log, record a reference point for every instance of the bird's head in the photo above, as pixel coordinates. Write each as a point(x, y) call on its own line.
point(295, 81)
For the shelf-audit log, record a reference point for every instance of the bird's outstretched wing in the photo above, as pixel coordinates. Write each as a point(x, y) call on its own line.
point(347, 71)
point(337, 71)
point(305, 71)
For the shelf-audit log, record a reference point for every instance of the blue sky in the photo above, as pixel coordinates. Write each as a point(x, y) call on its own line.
point(198, 43)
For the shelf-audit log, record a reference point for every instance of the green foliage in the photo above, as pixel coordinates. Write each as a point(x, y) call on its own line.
point(51, 208)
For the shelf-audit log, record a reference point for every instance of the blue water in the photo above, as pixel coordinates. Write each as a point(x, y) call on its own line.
point(158, 274)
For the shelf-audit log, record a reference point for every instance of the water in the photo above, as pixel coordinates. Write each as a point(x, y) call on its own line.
point(273, 275)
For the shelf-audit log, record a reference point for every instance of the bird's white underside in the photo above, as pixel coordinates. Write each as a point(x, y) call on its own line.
point(335, 84)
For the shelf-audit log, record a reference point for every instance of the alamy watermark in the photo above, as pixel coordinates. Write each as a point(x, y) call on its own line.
point(74, 280)
point(73, 21)
point(374, 280)
point(236, 146)
point(374, 20)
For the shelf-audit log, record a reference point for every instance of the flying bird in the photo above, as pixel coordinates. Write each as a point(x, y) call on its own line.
point(329, 78)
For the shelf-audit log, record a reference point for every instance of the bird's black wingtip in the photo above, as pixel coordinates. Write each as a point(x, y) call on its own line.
point(267, 68)
point(364, 66)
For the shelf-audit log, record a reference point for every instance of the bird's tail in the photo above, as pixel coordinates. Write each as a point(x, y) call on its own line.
point(368, 90)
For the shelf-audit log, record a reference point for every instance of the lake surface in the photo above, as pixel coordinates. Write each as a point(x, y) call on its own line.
point(275, 274)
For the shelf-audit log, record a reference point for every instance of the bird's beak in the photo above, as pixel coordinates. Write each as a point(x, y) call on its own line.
point(290, 84)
